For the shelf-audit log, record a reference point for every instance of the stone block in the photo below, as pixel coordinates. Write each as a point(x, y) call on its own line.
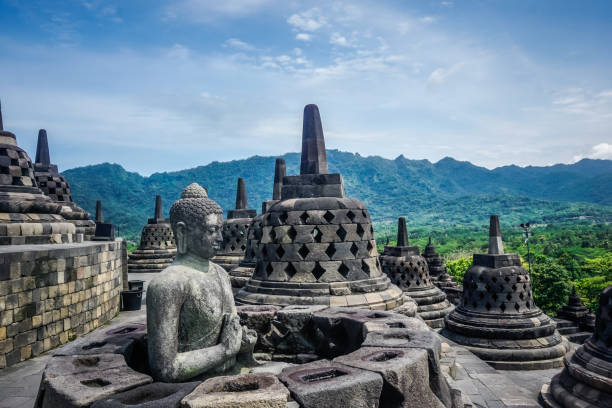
point(405, 373)
point(324, 383)
point(156, 395)
point(239, 391)
point(79, 381)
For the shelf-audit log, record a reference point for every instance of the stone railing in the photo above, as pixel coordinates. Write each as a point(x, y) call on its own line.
point(50, 294)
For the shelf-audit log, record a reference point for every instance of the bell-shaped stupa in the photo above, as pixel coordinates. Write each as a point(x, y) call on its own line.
point(240, 274)
point(235, 231)
point(439, 276)
point(408, 270)
point(586, 380)
point(498, 320)
point(317, 245)
point(27, 216)
point(54, 185)
point(157, 246)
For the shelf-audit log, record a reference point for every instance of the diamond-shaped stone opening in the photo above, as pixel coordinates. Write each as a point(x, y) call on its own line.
point(522, 295)
point(509, 296)
point(343, 270)
point(269, 269)
point(350, 215)
point(304, 217)
point(292, 233)
point(528, 305)
point(502, 307)
point(517, 307)
point(304, 251)
point(272, 235)
point(331, 250)
point(317, 234)
point(365, 267)
point(488, 306)
point(243, 247)
point(280, 252)
point(283, 217)
point(290, 270)
point(232, 247)
point(264, 251)
point(329, 216)
point(507, 279)
point(318, 271)
point(495, 297)
point(360, 230)
point(354, 249)
point(494, 279)
point(518, 278)
point(369, 246)
point(341, 232)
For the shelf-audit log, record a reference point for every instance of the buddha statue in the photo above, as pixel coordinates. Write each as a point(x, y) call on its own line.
point(193, 327)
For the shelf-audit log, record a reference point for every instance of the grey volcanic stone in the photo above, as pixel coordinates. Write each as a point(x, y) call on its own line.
point(156, 395)
point(78, 381)
point(405, 373)
point(239, 391)
point(329, 384)
point(119, 340)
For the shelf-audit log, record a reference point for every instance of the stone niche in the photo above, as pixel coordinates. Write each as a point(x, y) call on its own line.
point(307, 356)
point(50, 294)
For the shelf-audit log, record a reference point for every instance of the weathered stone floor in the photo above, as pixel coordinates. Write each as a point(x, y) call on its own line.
point(483, 385)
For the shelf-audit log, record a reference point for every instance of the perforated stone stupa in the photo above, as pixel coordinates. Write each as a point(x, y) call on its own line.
point(317, 245)
point(240, 274)
point(438, 275)
point(586, 380)
point(498, 320)
point(408, 270)
point(235, 231)
point(54, 185)
point(157, 246)
point(27, 216)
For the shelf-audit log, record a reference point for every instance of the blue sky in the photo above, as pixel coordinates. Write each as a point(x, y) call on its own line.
point(167, 85)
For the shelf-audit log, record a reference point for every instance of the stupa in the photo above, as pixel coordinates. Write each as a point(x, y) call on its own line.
point(439, 276)
point(105, 231)
point(574, 320)
point(27, 216)
point(240, 274)
point(317, 245)
point(408, 270)
point(586, 380)
point(54, 185)
point(498, 320)
point(235, 231)
point(157, 246)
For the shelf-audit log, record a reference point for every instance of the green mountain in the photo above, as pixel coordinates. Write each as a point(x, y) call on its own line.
point(443, 194)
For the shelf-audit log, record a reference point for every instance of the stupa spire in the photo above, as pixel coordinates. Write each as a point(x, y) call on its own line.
point(241, 197)
point(158, 207)
point(42, 148)
point(280, 171)
point(402, 232)
point(496, 246)
point(314, 159)
point(99, 216)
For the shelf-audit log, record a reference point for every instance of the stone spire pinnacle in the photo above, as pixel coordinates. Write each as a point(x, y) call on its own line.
point(42, 148)
point(158, 207)
point(1, 125)
point(280, 171)
point(402, 232)
point(496, 246)
point(314, 159)
point(241, 197)
point(99, 216)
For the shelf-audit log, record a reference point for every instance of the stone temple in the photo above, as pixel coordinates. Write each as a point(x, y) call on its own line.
point(586, 380)
point(438, 275)
point(317, 245)
point(574, 320)
point(408, 270)
point(157, 246)
point(235, 231)
point(27, 216)
point(240, 274)
point(56, 186)
point(498, 320)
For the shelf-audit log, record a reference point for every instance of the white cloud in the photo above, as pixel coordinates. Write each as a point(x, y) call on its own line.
point(238, 44)
point(441, 75)
point(178, 51)
point(337, 39)
point(310, 20)
point(303, 37)
point(427, 19)
point(206, 11)
point(600, 151)
point(447, 4)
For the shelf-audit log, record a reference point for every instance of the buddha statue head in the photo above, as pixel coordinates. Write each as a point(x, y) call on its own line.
point(196, 222)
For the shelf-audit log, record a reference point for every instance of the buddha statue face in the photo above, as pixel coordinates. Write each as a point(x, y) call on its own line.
point(196, 222)
point(201, 239)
